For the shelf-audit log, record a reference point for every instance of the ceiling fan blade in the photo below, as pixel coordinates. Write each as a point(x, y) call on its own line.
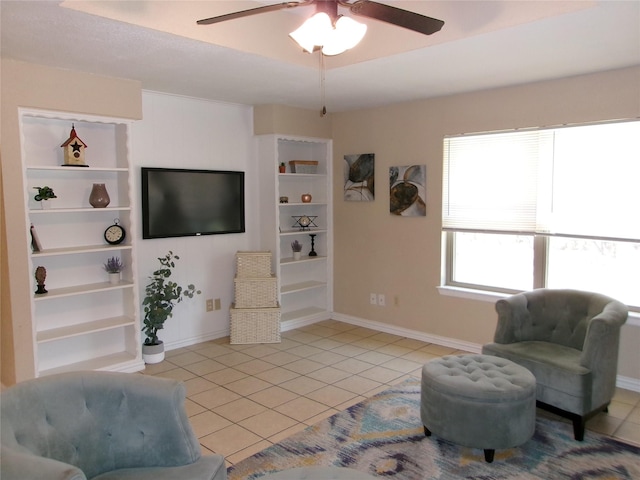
point(252, 11)
point(397, 16)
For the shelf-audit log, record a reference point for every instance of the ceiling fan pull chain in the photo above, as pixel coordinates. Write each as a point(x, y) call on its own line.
point(323, 112)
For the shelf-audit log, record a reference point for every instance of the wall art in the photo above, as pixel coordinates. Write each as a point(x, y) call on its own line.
point(408, 189)
point(359, 170)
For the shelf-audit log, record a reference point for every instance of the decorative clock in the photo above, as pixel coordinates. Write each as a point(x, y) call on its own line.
point(115, 234)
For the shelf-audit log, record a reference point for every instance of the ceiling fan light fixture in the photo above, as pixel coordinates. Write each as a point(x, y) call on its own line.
point(346, 35)
point(313, 31)
point(319, 31)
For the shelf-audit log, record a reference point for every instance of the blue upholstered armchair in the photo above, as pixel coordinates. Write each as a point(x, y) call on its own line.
point(101, 426)
point(569, 340)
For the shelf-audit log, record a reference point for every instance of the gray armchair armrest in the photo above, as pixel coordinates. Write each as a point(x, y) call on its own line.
point(600, 350)
point(513, 318)
point(21, 466)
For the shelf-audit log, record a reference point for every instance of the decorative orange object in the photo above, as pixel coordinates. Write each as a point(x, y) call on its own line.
point(306, 198)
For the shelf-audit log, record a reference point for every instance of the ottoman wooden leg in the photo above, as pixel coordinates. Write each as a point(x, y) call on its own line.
point(427, 433)
point(488, 455)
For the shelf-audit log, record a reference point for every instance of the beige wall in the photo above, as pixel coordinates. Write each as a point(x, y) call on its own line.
point(400, 257)
point(34, 86)
point(270, 119)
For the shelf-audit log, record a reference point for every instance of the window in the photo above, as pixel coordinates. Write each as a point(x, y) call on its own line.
point(556, 208)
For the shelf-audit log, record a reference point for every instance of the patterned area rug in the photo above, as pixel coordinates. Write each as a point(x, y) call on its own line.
point(383, 436)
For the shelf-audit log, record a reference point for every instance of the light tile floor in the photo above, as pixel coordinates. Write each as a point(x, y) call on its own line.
point(244, 398)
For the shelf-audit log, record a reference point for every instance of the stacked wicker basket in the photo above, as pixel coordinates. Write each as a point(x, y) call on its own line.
point(255, 315)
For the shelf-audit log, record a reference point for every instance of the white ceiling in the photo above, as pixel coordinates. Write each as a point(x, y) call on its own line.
point(483, 44)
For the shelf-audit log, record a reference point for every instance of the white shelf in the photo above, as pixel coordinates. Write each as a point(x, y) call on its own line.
point(82, 289)
point(77, 210)
point(83, 329)
point(120, 361)
point(302, 314)
point(301, 175)
point(91, 325)
point(302, 204)
point(300, 232)
point(50, 252)
point(75, 169)
point(302, 286)
point(291, 261)
point(305, 285)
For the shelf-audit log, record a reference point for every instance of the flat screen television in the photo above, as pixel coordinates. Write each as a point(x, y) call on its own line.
point(182, 202)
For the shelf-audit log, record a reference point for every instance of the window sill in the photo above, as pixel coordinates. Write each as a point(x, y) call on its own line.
point(488, 296)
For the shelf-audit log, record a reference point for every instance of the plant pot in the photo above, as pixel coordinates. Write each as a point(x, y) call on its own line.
point(114, 278)
point(296, 255)
point(153, 353)
point(282, 169)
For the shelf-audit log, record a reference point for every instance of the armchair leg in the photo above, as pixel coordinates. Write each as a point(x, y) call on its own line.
point(427, 432)
point(488, 455)
point(578, 427)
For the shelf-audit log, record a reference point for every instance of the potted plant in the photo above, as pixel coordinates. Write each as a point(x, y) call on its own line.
point(296, 246)
point(282, 168)
point(161, 296)
point(113, 267)
point(44, 193)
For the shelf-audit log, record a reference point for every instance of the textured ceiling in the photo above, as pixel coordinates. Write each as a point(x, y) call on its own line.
point(483, 44)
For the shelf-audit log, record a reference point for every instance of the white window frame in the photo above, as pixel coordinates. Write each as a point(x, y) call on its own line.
point(483, 292)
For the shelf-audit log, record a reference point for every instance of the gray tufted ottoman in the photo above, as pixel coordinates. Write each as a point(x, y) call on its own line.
point(478, 401)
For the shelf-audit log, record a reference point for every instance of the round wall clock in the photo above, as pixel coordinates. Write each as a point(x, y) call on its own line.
point(114, 234)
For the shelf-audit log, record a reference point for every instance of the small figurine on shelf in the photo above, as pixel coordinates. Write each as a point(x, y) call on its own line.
point(44, 193)
point(73, 149)
point(296, 246)
point(41, 276)
point(312, 253)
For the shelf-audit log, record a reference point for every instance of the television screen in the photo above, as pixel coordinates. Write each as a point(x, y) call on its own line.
point(181, 202)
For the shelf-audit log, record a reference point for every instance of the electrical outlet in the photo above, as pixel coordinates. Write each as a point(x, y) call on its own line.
point(209, 304)
point(373, 299)
point(217, 304)
point(382, 301)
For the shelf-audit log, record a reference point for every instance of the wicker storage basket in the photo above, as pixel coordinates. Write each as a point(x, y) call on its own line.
point(255, 325)
point(256, 292)
point(303, 166)
point(253, 264)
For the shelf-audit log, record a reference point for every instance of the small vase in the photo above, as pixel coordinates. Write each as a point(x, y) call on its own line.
point(296, 255)
point(114, 278)
point(306, 198)
point(99, 198)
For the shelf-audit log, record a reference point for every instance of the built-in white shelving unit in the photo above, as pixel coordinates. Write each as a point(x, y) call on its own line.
point(305, 285)
point(84, 322)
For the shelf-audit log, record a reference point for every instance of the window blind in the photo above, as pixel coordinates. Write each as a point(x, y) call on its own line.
point(572, 181)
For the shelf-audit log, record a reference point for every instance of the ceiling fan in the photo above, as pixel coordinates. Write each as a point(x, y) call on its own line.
point(366, 8)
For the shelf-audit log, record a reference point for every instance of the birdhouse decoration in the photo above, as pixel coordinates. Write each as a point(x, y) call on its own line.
point(73, 150)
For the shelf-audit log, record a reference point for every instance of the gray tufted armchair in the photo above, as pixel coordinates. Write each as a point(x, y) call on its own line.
point(101, 426)
point(569, 340)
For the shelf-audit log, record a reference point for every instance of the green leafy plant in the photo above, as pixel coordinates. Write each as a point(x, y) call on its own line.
point(161, 295)
point(44, 193)
point(114, 265)
point(296, 246)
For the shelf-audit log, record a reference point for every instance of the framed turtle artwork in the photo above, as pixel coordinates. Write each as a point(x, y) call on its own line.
point(407, 191)
point(359, 170)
